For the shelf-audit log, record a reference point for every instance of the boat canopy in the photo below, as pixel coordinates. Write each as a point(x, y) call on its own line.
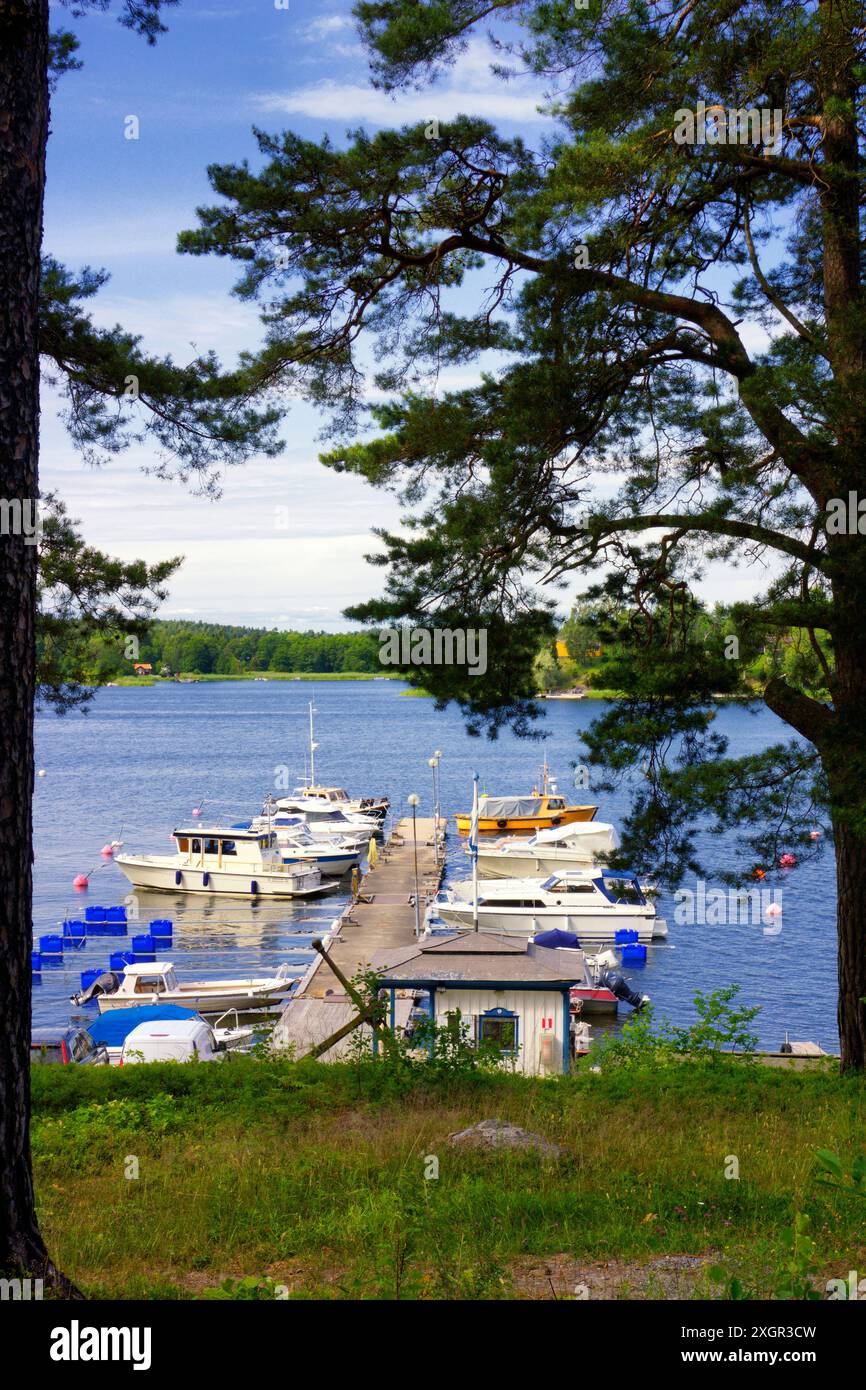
point(511, 807)
point(114, 1025)
point(557, 939)
point(213, 832)
point(577, 830)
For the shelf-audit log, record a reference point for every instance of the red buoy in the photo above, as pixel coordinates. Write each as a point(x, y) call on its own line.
point(787, 861)
point(107, 851)
point(81, 881)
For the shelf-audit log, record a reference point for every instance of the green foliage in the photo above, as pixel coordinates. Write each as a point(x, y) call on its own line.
point(89, 607)
point(720, 1029)
point(834, 1174)
point(644, 1043)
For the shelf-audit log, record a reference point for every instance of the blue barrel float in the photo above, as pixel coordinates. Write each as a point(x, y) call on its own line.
point(161, 929)
point(633, 954)
point(74, 934)
point(120, 960)
point(51, 945)
point(115, 921)
point(625, 936)
point(95, 918)
point(36, 962)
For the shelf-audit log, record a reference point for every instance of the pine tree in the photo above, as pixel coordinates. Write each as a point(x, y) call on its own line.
point(627, 420)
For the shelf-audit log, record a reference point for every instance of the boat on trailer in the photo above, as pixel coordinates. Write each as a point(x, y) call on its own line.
point(226, 860)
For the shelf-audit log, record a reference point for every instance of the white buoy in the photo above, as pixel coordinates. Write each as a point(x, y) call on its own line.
point(42, 772)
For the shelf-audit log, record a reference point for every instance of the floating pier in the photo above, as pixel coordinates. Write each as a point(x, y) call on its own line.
point(381, 916)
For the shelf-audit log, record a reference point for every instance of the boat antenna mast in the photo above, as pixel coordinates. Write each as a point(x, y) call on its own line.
point(313, 746)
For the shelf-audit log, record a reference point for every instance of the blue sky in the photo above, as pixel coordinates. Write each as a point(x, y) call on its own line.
point(222, 68)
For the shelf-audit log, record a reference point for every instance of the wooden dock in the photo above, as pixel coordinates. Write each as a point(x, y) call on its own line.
point(382, 916)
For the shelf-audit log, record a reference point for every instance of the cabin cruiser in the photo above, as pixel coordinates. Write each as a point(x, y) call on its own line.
point(157, 983)
point(547, 851)
point(332, 857)
point(225, 860)
point(593, 903)
point(339, 797)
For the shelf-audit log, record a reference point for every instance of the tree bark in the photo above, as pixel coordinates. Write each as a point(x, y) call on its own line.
point(23, 137)
point(851, 949)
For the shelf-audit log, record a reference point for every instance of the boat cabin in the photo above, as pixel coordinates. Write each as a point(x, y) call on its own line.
point(339, 795)
point(156, 978)
point(618, 886)
point(210, 847)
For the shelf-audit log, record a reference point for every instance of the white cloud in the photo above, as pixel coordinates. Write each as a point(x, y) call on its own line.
point(469, 88)
point(328, 24)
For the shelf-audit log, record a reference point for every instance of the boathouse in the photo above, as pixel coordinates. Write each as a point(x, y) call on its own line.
point(504, 994)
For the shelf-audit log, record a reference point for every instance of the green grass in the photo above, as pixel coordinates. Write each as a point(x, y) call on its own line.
point(313, 1176)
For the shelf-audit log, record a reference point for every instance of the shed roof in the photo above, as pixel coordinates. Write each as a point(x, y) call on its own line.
point(476, 958)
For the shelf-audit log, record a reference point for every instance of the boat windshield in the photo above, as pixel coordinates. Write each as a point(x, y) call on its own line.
point(621, 888)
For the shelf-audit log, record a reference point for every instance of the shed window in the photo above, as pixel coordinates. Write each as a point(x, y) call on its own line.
point(500, 1027)
point(211, 846)
point(183, 845)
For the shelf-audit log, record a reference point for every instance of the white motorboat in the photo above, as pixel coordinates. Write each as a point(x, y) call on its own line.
point(157, 983)
point(368, 806)
point(547, 851)
point(351, 806)
point(225, 860)
point(593, 903)
point(323, 818)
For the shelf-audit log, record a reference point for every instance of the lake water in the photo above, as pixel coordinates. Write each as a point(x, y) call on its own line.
point(141, 759)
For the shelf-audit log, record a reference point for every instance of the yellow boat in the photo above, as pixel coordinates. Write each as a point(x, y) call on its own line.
point(541, 810)
point(523, 813)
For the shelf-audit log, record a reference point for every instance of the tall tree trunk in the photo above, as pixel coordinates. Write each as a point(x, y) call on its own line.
point(851, 926)
point(23, 137)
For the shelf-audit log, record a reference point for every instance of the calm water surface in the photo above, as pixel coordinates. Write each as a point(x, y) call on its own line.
point(141, 759)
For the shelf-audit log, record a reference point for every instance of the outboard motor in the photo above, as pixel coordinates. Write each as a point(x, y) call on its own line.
point(612, 980)
point(108, 983)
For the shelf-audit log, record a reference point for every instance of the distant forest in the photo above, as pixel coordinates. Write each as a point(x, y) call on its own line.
point(211, 649)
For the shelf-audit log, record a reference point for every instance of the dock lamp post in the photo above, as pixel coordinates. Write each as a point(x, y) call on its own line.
point(413, 801)
point(438, 756)
point(433, 763)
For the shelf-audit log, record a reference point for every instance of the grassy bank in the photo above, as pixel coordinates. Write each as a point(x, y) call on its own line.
point(313, 1176)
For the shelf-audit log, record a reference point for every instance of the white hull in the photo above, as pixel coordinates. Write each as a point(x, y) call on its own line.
point(333, 863)
point(529, 865)
point(592, 928)
point(146, 873)
point(203, 999)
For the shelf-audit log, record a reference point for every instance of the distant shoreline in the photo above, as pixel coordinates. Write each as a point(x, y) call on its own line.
point(190, 678)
